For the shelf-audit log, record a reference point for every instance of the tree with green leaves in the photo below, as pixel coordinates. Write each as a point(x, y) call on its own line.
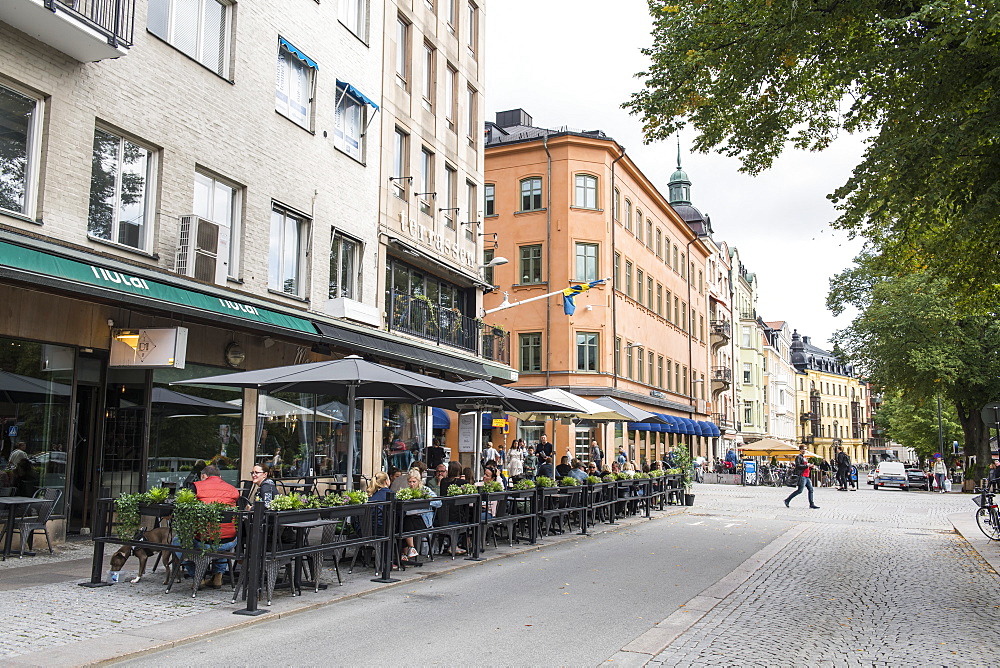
point(913, 422)
point(913, 338)
point(919, 77)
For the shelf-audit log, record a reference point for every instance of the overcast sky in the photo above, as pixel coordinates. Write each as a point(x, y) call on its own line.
point(572, 62)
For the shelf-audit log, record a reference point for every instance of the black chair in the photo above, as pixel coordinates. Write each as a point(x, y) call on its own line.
point(35, 517)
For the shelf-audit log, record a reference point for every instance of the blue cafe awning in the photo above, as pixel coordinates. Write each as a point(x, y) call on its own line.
point(671, 426)
point(297, 53)
point(440, 419)
point(687, 426)
point(638, 426)
point(711, 429)
point(355, 93)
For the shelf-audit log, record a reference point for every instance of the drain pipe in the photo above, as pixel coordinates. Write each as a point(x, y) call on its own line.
point(614, 276)
point(548, 259)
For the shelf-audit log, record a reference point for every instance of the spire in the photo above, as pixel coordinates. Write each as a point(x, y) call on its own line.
point(680, 185)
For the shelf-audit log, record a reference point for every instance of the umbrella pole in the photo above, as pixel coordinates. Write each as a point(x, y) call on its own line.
point(351, 435)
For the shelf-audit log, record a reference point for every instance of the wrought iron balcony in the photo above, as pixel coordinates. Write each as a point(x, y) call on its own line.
point(87, 30)
point(722, 378)
point(721, 333)
point(418, 316)
point(722, 421)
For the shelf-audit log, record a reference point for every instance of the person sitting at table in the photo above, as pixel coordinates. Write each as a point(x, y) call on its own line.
point(455, 477)
point(194, 476)
point(415, 520)
point(435, 483)
point(592, 469)
point(545, 468)
point(490, 474)
point(397, 480)
point(261, 487)
point(577, 472)
point(213, 489)
point(468, 475)
point(378, 488)
point(17, 455)
point(564, 467)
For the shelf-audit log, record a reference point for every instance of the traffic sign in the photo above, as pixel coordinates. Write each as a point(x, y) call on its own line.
point(991, 415)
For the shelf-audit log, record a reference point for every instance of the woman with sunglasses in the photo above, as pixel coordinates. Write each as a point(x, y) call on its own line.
point(261, 488)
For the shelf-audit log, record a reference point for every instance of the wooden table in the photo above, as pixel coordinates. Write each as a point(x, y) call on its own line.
point(12, 503)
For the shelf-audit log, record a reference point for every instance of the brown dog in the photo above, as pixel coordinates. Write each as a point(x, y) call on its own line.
point(160, 535)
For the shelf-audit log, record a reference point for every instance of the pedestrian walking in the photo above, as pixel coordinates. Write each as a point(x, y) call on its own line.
point(940, 471)
point(843, 461)
point(802, 470)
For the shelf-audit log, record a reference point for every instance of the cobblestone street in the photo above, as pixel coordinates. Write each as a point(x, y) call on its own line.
point(874, 579)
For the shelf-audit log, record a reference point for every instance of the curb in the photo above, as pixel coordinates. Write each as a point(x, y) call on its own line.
point(965, 525)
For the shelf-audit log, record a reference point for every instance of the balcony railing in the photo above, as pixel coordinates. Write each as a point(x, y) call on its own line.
point(722, 422)
point(87, 30)
point(721, 332)
point(722, 374)
point(418, 316)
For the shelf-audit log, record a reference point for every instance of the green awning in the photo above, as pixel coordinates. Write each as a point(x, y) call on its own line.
point(48, 265)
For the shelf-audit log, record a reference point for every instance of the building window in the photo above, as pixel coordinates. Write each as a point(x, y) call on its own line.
point(701, 281)
point(618, 272)
point(659, 371)
point(530, 352)
point(531, 194)
point(20, 119)
point(402, 52)
point(451, 14)
point(629, 356)
point(489, 199)
point(746, 337)
point(286, 263)
point(649, 233)
point(618, 356)
point(488, 275)
point(650, 356)
point(677, 312)
point(677, 378)
point(472, 123)
point(659, 299)
point(638, 225)
point(586, 351)
point(472, 28)
point(639, 374)
point(427, 192)
point(349, 125)
point(451, 96)
point(586, 262)
point(666, 306)
point(616, 204)
point(472, 207)
point(353, 14)
point(531, 263)
point(199, 28)
point(450, 194)
point(675, 258)
point(219, 202)
point(294, 84)
point(747, 372)
point(748, 412)
point(586, 191)
point(628, 215)
point(400, 162)
point(121, 187)
point(628, 278)
point(649, 292)
point(686, 378)
point(659, 242)
point(430, 76)
point(344, 267)
point(640, 278)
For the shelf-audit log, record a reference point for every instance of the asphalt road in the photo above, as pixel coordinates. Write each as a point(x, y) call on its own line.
point(576, 603)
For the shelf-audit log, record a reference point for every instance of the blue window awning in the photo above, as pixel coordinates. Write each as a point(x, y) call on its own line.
point(297, 53)
point(355, 93)
point(637, 426)
point(671, 427)
point(711, 429)
point(687, 426)
point(440, 419)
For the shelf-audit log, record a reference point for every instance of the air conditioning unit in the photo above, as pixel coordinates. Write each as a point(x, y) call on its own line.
point(203, 250)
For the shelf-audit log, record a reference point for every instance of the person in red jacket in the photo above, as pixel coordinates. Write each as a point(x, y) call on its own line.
point(213, 489)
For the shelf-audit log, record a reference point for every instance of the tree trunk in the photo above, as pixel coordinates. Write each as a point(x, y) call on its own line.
point(977, 441)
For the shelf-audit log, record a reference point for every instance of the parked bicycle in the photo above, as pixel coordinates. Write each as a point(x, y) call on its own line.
point(987, 516)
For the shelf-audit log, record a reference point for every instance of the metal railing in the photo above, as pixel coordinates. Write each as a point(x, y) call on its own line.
point(722, 374)
point(419, 316)
point(114, 18)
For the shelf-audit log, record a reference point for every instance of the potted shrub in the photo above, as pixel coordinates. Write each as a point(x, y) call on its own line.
point(683, 460)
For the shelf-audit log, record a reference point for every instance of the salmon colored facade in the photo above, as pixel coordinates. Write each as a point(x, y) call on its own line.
point(571, 207)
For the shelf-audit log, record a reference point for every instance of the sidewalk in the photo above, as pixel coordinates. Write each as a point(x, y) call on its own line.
point(49, 620)
point(965, 525)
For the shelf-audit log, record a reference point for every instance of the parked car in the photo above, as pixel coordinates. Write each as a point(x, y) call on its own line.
point(918, 478)
point(891, 474)
point(871, 476)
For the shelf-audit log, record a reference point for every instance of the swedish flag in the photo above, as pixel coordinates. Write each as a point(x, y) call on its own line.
point(569, 306)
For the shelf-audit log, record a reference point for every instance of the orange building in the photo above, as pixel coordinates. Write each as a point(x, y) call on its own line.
point(568, 208)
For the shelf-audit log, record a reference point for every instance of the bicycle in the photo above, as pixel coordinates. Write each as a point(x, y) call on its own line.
point(987, 516)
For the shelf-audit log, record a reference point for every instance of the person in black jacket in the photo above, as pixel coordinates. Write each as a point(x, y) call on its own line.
point(843, 468)
point(802, 470)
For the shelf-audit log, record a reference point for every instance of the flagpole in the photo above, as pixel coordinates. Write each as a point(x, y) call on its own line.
point(507, 304)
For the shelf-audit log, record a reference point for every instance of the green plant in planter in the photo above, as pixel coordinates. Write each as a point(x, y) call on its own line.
point(524, 484)
point(492, 486)
point(671, 471)
point(682, 459)
point(331, 500)
point(408, 494)
point(197, 519)
point(656, 473)
point(459, 490)
point(186, 496)
point(544, 481)
point(624, 475)
point(609, 477)
point(158, 495)
point(288, 502)
point(568, 481)
point(127, 509)
point(184, 467)
point(355, 497)
point(641, 474)
point(592, 480)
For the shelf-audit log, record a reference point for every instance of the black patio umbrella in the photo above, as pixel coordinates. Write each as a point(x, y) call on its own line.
point(361, 378)
point(169, 402)
point(507, 398)
point(633, 413)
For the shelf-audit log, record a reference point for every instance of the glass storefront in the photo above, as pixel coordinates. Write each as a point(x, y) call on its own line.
point(404, 430)
point(35, 391)
point(306, 434)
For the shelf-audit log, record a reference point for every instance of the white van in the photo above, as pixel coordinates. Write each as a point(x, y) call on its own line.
point(891, 474)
